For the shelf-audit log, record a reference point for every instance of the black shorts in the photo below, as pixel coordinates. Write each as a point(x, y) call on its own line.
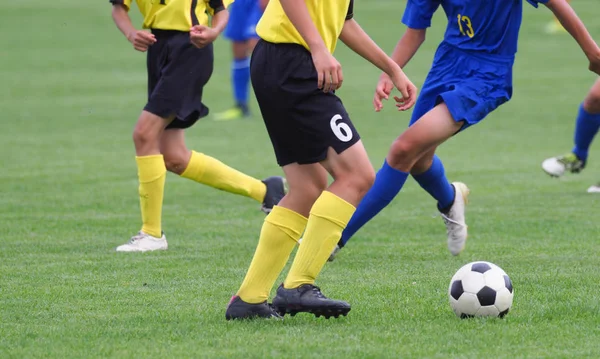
point(303, 122)
point(177, 73)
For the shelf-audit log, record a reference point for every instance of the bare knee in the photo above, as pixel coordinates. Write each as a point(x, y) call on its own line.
point(403, 154)
point(144, 138)
point(177, 161)
point(592, 101)
point(357, 182)
point(147, 132)
point(301, 197)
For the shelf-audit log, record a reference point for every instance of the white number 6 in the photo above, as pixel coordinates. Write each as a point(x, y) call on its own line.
point(341, 130)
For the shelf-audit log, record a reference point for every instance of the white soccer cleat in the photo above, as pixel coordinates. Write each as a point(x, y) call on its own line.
point(553, 167)
point(594, 189)
point(456, 227)
point(557, 166)
point(143, 242)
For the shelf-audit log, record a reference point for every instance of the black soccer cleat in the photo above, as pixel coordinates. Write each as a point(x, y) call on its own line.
point(308, 298)
point(275, 192)
point(238, 309)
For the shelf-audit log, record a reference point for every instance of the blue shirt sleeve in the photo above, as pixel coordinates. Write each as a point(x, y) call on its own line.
point(534, 3)
point(418, 13)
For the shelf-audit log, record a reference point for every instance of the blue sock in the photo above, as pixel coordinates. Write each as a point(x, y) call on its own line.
point(240, 76)
point(434, 181)
point(388, 183)
point(586, 127)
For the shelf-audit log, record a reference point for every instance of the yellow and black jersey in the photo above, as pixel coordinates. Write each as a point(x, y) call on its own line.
point(327, 15)
point(178, 15)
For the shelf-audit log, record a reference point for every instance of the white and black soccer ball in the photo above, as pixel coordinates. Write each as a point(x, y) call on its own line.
point(480, 289)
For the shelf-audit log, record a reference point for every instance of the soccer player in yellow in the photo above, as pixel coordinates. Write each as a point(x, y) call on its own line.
point(294, 76)
point(179, 63)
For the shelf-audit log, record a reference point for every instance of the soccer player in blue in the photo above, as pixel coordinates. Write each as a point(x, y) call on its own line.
point(241, 30)
point(587, 125)
point(471, 76)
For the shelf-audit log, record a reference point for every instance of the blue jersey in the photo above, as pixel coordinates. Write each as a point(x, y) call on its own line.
point(484, 26)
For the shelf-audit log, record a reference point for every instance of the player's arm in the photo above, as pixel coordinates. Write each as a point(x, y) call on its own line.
point(201, 35)
point(417, 17)
point(329, 70)
point(408, 45)
point(141, 40)
point(356, 39)
point(571, 22)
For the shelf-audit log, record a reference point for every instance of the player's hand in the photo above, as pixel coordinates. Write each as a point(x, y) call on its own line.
point(594, 63)
point(329, 70)
point(382, 91)
point(141, 40)
point(406, 88)
point(201, 35)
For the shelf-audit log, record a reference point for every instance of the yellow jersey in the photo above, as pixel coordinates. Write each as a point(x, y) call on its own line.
point(327, 15)
point(178, 15)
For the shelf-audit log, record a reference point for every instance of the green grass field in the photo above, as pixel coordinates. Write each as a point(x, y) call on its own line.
point(72, 88)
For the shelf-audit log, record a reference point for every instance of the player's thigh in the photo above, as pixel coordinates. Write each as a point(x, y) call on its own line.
point(431, 130)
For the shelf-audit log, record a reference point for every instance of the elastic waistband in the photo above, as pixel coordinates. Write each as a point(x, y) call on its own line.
point(286, 45)
point(161, 32)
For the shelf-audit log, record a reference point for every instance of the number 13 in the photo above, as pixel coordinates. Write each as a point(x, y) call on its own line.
point(469, 31)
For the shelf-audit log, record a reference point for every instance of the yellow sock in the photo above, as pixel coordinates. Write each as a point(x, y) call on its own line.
point(151, 174)
point(280, 233)
point(214, 173)
point(328, 217)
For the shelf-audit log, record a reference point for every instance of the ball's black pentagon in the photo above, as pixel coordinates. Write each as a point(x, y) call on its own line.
point(466, 316)
point(486, 296)
point(480, 267)
point(457, 289)
point(508, 283)
point(503, 313)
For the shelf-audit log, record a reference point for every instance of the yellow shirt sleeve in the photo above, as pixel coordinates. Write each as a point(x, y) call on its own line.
point(211, 3)
point(126, 3)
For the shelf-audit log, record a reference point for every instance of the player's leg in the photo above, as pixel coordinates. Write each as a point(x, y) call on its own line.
point(212, 172)
point(451, 198)
point(151, 176)
point(587, 125)
point(280, 232)
point(428, 132)
point(303, 124)
point(240, 82)
point(388, 181)
point(151, 168)
point(353, 176)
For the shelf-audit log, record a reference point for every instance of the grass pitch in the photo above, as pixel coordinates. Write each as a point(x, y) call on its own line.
point(71, 91)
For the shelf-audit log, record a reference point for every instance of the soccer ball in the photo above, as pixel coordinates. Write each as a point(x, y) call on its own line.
point(480, 289)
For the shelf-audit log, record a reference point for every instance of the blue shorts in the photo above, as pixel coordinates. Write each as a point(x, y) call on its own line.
point(243, 17)
point(471, 85)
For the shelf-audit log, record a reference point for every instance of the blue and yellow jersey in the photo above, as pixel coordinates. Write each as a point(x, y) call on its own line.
point(484, 26)
point(178, 15)
point(327, 15)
